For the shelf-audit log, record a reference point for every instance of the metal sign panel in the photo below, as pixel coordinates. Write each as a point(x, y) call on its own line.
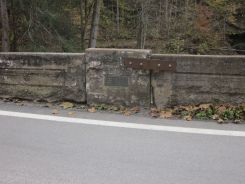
point(150, 64)
point(117, 81)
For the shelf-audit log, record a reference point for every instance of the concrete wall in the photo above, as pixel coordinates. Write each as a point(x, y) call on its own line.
point(99, 76)
point(43, 76)
point(109, 82)
point(200, 79)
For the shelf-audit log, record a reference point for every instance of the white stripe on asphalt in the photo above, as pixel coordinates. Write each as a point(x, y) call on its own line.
point(124, 125)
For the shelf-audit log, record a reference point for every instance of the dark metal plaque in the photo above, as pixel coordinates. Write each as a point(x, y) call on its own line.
point(118, 81)
point(150, 64)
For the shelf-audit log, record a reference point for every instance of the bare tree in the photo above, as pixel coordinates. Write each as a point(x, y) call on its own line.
point(86, 9)
point(118, 18)
point(141, 36)
point(5, 26)
point(95, 24)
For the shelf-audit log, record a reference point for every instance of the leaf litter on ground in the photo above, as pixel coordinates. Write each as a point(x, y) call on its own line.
point(222, 113)
point(67, 105)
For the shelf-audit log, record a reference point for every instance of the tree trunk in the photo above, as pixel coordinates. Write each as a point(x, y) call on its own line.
point(160, 17)
point(95, 24)
point(13, 27)
point(167, 17)
point(118, 18)
point(83, 20)
point(86, 9)
point(5, 26)
point(142, 29)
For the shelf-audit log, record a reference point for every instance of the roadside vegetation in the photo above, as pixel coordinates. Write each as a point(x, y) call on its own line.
point(220, 113)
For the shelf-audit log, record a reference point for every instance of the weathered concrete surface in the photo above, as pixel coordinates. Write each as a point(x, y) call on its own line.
point(200, 79)
point(43, 76)
point(99, 77)
point(109, 82)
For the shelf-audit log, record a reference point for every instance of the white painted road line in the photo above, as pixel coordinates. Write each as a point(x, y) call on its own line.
point(124, 125)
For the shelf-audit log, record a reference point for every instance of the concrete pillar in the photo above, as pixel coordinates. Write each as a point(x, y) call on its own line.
point(109, 82)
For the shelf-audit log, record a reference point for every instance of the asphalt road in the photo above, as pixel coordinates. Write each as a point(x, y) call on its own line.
point(48, 152)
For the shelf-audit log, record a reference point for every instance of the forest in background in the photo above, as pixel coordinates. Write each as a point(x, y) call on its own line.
point(165, 26)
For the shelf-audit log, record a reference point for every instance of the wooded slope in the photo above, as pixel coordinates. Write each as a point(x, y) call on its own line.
point(166, 26)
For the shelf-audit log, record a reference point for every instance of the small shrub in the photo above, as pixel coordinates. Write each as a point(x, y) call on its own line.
point(184, 113)
point(228, 115)
point(201, 115)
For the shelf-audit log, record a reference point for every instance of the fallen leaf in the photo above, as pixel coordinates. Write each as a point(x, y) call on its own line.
point(188, 118)
point(155, 110)
point(221, 109)
point(49, 105)
point(205, 106)
point(215, 117)
point(237, 121)
point(114, 108)
point(122, 108)
point(55, 111)
point(92, 110)
point(166, 114)
point(127, 113)
point(187, 108)
point(67, 105)
point(131, 111)
point(71, 113)
point(135, 110)
point(220, 121)
point(154, 113)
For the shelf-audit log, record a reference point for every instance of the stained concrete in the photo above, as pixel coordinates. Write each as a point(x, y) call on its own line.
point(200, 79)
point(99, 76)
point(43, 76)
point(109, 82)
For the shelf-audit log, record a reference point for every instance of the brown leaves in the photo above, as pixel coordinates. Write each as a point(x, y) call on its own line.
point(205, 106)
point(166, 114)
point(215, 117)
point(71, 113)
point(67, 105)
point(131, 111)
point(92, 110)
point(220, 121)
point(49, 105)
point(55, 112)
point(118, 109)
point(188, 118)
point(221, 109)
point(155, 113)
point(221, 113)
